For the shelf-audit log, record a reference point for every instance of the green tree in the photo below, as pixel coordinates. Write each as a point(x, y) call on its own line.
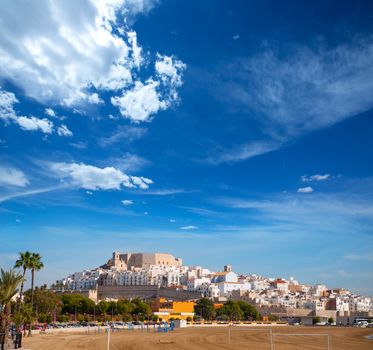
point(103, 306)
point(232, 310)
point(205, 308)
point(9, 282)
point(141, 307)
point(249, 311)
point(112, 308)
point(125, 308)
point(45, 302)
point(22, 262)
point(75, 304)
point(24, 317)
point(330, 320)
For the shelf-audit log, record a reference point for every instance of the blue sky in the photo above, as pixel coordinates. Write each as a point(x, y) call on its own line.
point(224, 132)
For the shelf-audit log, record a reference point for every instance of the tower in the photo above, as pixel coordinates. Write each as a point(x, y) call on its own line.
point(116, 259)
point(227, 268)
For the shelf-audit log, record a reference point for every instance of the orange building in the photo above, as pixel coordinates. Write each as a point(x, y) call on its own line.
point(178, 310)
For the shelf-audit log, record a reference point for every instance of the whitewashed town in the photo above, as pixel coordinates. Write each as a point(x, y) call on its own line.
point(140, 274)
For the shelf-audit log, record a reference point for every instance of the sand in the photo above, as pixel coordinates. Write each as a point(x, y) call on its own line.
point(207, 338)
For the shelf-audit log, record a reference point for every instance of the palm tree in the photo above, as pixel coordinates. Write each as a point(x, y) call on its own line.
point(24, 263)
point(9, 281)
point(35, 265)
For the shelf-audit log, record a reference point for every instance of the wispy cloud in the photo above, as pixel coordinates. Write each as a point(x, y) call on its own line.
point(123, 133)
point(332, 213)
point(359, 256)
point(129, 162)
point(189, 227)
point(12, 177)
point(242, 152)
point(315, 177)
point(165, 192)
point(127, 202)
point(32, 192)
point(294, 90)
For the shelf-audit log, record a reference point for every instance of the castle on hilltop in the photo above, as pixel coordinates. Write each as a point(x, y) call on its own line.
point(131, 261)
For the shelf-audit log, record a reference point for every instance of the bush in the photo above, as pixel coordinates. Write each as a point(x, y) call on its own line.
point(273, 317)
point(189, 319)
point(330, 320)
point(316, 320)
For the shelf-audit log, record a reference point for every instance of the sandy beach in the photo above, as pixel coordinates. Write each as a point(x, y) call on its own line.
point(209, 338)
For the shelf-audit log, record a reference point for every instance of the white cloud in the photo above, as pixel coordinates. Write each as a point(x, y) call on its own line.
point(50, 112)
point(299, 89)
point(316, 177)
point(236, 36)
point(12, 177)
point(90, 193)
point(55, 51)
point(134, 7)
point(8, 114)
point(189, 227)
point(307, 189)
point(172, 220)
point(7, 102)
point(127, 202)
point(140, 103)
point(136, 50)
point(70, 52)
point(64, 131)
point(144, 100)
point(93, 178)
point(169, 70)
point(32, 124)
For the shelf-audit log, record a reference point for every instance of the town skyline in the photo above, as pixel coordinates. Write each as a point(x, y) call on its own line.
point(222, 269)
point(242, 136)
point(146, 275)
